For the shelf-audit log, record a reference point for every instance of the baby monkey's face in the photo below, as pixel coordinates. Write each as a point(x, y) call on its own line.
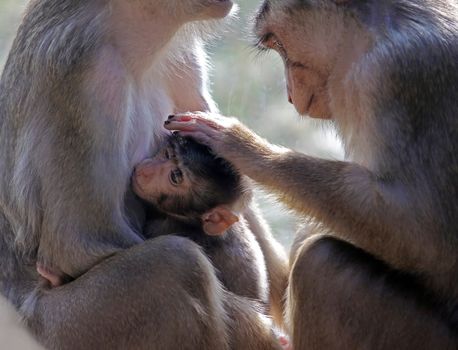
point(160, 176)
point(186, 180)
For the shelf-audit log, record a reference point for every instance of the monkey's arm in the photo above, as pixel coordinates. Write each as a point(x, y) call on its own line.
point(84, 172)
point(188, 84)
point(351, 201)
point(276, 261)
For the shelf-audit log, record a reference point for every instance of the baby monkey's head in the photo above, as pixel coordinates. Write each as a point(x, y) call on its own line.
point(186, 181)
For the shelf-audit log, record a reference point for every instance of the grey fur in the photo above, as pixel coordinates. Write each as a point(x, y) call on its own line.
point(69, 138)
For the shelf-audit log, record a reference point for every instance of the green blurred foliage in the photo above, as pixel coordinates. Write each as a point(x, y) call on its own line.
point(244, 84)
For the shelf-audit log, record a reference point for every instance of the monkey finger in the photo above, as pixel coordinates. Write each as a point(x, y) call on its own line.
point(197, 117)
point(187, 117)
point(192, 125)
point(198, 136)
point(173, 125)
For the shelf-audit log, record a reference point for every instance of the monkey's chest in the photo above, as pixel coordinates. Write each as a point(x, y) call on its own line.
point(148, 109)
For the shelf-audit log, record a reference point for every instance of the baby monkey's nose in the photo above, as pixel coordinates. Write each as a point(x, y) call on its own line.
point(146, 169)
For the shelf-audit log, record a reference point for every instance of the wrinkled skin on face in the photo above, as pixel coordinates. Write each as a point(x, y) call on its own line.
point(314, 55)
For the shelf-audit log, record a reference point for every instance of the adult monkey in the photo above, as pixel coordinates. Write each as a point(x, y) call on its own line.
point(83, 96)
point(382, 274)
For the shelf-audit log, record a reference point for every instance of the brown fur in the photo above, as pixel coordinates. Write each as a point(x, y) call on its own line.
point(380, 270)
point(209, 192)
point(83, 96)
point(236, 256)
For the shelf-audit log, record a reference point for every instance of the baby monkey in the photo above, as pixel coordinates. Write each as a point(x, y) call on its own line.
point(190, 189)
point(193, 193)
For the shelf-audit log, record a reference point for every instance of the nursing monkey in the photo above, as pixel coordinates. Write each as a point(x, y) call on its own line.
point(84, 93)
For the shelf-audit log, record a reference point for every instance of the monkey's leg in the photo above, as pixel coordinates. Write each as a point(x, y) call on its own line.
point(276, 261)
point(250, 330)
point(162, 294)
point(192, 73)
point(303, 232)
point(342, 298)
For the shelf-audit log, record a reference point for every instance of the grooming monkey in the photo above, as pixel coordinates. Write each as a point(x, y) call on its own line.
point(196, 195)
point(380, 269)
point(82, 100)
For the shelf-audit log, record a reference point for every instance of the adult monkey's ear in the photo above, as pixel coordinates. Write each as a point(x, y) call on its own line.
point(218, 220)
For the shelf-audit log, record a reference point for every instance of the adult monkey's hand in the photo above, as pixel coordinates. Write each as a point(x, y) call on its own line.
point(227, 137)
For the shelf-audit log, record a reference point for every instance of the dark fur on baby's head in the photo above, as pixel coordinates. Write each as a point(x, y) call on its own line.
point(214, 181)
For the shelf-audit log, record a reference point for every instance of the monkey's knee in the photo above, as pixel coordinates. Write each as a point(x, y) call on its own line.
point(166, 285)
point(315, 254)
point(177, 266)
point(324, 264)
point(302, 234)
point(314, 279)
point(185, 260)
point(196, 295)
point(180, 253)
point(339, 293)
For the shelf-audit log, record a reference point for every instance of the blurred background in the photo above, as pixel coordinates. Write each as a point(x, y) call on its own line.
point(244, 84)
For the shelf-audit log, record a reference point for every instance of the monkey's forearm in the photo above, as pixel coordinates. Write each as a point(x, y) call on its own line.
point(276, 261)
point(192, 73)
point(347, 198)
point(82, 221)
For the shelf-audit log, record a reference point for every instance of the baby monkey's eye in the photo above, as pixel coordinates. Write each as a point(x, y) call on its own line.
point(176, 177)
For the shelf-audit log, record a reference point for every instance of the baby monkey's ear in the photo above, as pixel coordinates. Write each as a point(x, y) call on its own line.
point(218, 220)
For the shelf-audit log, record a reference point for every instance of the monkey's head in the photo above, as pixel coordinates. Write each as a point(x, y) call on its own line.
point(325, 43)
point(314, 39)
point(186, 181)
